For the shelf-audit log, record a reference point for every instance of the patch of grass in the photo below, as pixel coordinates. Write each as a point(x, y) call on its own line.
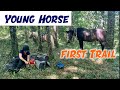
point(110, 60)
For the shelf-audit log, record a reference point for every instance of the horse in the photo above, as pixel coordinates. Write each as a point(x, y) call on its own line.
point(44, 38)
point(34, 35)
point(88, 35)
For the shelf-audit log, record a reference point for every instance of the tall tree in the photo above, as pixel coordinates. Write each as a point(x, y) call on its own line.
point(26, 35)
point(119, 31)
point(110, 29)
point(14, 42)
point(103, 18)
point(55, 30)
point(50, 52)
point(39, 39)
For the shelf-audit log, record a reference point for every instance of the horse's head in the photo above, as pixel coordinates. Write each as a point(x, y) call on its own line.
point(70, 34)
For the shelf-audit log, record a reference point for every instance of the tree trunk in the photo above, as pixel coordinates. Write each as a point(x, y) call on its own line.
point(55, 30)
point(110, 29)
point(39, 40)
point(50, 53)
point(103, 19)
point(119, 32)
point(26, 35)
point(14, 42)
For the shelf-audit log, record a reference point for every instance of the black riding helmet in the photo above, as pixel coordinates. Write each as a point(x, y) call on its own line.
point(26, 48)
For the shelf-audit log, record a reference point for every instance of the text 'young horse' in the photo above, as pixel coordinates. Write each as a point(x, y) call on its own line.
point(88, 35)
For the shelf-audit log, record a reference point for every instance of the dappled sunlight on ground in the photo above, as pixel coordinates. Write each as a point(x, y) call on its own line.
point(53, 76)
point(93, 60)
point(64, 73)
point(99, 61)
point(81, 70)
point(76, 62)
point(75, 78)
point(71, 69)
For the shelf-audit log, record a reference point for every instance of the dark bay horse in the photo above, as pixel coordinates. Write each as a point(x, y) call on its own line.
point(88, 35)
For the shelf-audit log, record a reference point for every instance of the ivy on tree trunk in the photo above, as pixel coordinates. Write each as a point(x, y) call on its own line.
point(14, 42)
point(110, 29)
point(39, 40)
point(26, 35)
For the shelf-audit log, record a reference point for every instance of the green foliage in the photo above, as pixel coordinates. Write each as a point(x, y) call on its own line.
point(4, 31)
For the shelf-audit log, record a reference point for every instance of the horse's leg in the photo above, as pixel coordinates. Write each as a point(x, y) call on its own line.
point(81, 44)
point(67, 42)
point(73, 38)
point(102, 45)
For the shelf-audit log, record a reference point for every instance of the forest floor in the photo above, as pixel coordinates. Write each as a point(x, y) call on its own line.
point(74, 69)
